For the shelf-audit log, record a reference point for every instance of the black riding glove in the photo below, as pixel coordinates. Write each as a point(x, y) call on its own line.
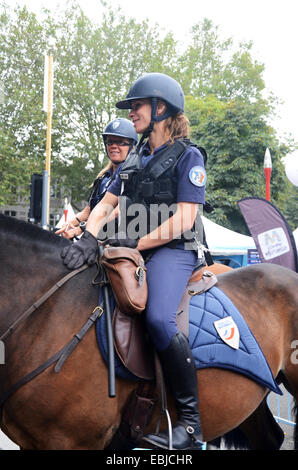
point(121, 240)
point(83, 251)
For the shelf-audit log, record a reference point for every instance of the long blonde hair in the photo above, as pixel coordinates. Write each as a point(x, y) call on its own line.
point(105, 169)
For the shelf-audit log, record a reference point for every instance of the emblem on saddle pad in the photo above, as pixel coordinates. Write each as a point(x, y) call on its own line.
point(228, 331)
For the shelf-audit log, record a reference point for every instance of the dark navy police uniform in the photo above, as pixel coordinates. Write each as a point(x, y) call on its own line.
point(169, 268)
point(100, 187)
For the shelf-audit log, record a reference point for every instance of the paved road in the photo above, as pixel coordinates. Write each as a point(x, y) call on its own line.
point(279, 406)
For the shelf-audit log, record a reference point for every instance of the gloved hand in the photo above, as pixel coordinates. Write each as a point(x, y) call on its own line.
point(83, 251)
point(121, 240)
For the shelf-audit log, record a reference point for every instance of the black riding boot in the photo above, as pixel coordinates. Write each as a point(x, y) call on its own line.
point(180, 372)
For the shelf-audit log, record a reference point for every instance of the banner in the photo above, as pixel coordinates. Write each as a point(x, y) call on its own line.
point(271, 233)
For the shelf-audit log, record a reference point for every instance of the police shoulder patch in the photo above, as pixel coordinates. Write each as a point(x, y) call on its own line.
point(197, 176)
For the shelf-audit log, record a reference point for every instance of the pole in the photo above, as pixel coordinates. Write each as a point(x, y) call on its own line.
point(267, 172)
point(44, 199)
point(48, 105)
point(109, 332)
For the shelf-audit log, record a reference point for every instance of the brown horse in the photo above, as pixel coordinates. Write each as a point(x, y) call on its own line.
point(71, 409)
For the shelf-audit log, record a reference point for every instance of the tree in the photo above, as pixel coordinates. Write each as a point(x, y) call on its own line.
point(21, 119)
point(228, 115)
point(290, 205)
point(87, 84)
point(235, 135)
point(211, 65)
point(94, 66)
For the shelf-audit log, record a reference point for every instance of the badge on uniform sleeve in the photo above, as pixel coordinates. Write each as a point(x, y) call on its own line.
point(228, 331)
point(197, 176)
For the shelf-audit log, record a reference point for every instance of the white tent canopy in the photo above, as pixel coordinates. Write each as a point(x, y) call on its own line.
point(69, 215)
point(222, 241)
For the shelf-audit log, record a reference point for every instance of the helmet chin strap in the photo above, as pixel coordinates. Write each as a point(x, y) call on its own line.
point(154, 118)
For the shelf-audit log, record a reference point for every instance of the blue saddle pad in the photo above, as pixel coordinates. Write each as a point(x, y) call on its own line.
point(207, 347)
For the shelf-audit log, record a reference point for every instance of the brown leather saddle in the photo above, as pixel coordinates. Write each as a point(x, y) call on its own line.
point(130, 338)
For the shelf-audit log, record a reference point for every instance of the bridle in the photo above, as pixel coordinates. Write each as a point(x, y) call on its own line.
point(61, 355)
point(40, 301)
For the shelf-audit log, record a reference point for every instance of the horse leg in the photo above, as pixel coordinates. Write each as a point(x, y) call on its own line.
point(259, 431)
point(226, 400)
point(262, 430)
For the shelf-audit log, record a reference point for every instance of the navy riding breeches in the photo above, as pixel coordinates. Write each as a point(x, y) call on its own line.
point(168, 272)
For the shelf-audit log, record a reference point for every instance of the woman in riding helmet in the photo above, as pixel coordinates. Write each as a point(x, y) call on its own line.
point(166, 170)
point(119, 138)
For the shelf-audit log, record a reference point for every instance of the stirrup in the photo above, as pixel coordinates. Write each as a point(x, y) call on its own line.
point(162, 393)
point(187, 439)
point(170, 427)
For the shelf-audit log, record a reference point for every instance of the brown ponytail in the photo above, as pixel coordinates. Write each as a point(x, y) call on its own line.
point(178, 127)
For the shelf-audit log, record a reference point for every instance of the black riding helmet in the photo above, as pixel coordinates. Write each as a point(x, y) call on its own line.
point(156, 86)
point(121, 127)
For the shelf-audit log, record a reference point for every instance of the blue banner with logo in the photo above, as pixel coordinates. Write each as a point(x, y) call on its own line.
point(271, 232)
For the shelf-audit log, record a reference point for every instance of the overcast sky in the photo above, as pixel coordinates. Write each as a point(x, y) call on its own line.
point(270, 24)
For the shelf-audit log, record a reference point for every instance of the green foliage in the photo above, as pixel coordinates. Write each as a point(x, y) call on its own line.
point(88, 59)
point(211, 65)
point(236, 135)
point(21, 123)
point(94, 66)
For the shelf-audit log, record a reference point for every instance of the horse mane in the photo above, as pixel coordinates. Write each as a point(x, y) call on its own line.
point(29, 232)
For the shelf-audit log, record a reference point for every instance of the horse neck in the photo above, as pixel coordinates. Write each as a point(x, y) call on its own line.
point(28, 270)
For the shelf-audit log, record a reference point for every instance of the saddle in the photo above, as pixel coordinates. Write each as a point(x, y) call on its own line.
point(139, 358)
point(130, 338)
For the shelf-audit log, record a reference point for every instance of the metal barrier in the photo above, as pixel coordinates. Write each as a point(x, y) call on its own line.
point(281, 407)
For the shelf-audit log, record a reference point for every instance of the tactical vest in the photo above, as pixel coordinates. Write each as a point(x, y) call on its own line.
point(155, 184)
point(95, 195)
point(108, 230)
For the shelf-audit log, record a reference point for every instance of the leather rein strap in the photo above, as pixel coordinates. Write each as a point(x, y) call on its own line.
point(61, 355)
point(41, 300)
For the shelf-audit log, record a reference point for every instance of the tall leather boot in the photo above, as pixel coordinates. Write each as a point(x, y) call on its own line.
point(180, 373)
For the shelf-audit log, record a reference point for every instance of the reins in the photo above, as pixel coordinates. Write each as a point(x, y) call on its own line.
point(41, 300)
point(61, 355)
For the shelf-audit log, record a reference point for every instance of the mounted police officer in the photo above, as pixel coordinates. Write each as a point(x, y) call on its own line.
point(168, 170)
point(119, 138)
